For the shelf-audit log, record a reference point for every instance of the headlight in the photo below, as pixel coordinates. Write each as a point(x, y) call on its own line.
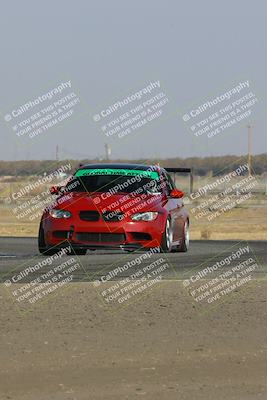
point(60, 213)
point(145, 216)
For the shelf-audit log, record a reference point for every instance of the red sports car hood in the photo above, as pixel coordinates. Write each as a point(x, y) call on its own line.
point(104, 202)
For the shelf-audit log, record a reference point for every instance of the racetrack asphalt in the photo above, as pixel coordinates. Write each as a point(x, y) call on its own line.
point(18, 252)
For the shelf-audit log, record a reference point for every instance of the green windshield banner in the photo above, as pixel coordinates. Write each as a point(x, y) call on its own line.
point(122, 172)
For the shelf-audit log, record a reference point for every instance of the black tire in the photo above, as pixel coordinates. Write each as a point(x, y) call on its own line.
point(166, 238)
point(41, 240)
point(184, 245)
point(43, 249)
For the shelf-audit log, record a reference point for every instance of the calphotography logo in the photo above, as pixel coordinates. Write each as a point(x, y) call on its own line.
point(226, 274)
point(144, 273)
point(29, 285)
point(223, 112)
point(133, 112)
point(28, 201)
point(46, 111)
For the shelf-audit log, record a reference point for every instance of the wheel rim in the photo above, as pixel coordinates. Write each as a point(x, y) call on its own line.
point(168, 233)
point(186, 235)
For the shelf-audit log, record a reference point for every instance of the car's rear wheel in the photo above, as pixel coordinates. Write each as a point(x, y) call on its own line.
point(184, 244)
point(166, 243)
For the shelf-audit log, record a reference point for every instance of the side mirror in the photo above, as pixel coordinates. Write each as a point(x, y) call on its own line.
point(55, 189)
point(176, 194)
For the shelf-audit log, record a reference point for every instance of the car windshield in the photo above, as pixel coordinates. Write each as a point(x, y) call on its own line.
point(114, 181)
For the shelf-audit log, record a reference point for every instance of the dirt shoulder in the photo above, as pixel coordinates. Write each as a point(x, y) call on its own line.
point(160, 348)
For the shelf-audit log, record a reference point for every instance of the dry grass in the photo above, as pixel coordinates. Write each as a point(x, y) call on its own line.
point(11, 226)
point(239, 223)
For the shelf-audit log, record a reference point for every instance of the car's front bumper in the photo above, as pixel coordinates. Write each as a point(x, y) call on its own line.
point(129, 235)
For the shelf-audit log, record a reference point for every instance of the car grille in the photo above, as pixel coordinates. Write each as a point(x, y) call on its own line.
point(89, 215)
point(100, 237)
point(112, 216)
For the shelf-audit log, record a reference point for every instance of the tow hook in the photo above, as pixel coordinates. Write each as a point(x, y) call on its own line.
point(70, 233)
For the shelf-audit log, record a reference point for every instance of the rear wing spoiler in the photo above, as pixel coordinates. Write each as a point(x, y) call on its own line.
point(186, 170)
point(183, 170)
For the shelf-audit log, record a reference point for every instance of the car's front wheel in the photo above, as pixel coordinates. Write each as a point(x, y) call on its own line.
point(42, 247)
point(166, 243)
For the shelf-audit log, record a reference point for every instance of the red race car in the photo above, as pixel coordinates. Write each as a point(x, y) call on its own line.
point(116, 206)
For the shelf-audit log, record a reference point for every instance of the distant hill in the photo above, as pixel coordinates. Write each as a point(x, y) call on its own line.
point(201, 165)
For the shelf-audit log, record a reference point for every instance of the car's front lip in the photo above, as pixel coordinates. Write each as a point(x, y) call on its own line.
point(109, 246)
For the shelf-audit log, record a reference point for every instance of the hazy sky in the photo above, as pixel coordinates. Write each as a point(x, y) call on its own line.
point(114, 48)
